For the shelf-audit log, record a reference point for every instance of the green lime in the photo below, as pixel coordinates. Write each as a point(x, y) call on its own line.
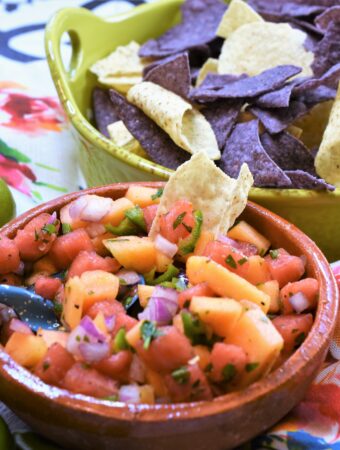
point(7, 204)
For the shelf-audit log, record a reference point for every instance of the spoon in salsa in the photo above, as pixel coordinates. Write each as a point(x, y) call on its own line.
point(34, 310)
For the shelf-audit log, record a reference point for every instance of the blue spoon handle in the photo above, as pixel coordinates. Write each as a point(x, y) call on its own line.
point(32, 309)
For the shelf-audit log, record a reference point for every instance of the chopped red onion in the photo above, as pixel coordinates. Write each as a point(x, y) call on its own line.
point(53, 218)
point(85, 332)
point(161, 307)
point(90, 208)
point(137, 370)
point(299, 302)
point(93, 352)
point(110, 322)
point(245, 248)
point(129, 394)
point(18, 325)
point(130, 277)
point(164, 246)
point(95, 229)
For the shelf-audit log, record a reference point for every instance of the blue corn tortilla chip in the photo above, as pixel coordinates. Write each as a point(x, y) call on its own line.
point(280, 98)
point(249, 87)
point(244, 146)
point(329, 79)
point(173, 75)
point(331, 15)
point(304, 180)
point(200, 19)
point(288, 152)
point(317, 95)
point(104, 112)
point(215, 81)
point(301, 10)
point(327, 51)
point(153, 139)
point(222, 116)
point(276, 120)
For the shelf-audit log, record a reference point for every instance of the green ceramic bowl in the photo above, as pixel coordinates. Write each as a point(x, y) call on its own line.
point(92, 38)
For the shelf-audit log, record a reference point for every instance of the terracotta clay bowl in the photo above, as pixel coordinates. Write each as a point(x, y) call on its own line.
point(76, 421)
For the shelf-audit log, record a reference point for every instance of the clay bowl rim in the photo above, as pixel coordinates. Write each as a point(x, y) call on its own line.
point(317, 339)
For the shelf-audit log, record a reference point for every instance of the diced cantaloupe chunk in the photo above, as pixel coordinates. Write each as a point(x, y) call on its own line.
point(272, 289)
point(157, 382)
point(100, 323)
point(147, 394)
point(133, 252)
point(134, 334)
point(142, 196)
point(144, 293)
point(258, 337)
point(117, 212)
point(203, 354)
point(225, 283)
point(203, 241)
point(221, 314)
point(257, 270)
point(73, 302)
point(53, 336)
point(98, 286)
point(26, 349)
point(246, 233)
point(162, 262)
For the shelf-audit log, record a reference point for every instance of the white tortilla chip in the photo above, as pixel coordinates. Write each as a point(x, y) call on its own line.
point(122, 137)
point(186, 126)
point(121, 83)
point(327, 161)
point(220, 198)
point(237, 14)
point(259, 46)
point(123, 61)
point(210, 66)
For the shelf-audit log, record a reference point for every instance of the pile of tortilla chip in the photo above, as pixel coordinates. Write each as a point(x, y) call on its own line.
point(252, 83)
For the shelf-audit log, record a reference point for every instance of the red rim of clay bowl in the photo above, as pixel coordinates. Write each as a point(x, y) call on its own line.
point(316, 342)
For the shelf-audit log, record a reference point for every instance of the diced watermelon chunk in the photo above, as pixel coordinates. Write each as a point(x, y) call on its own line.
point(67, 247)
point(9, 255)
point(116, 366)
point(188, 383)
point(228, 362)
point(87, 261)
point(199, 290)
point(54, 365)
point(294, 329)
point(47, 287)
point(107, 307)
point(178, 222)
point(309, 287)
point(37, 237)
point(284, 267)
point(123, 321)
point(149, 215)
point(166, 352)
point(83, 380)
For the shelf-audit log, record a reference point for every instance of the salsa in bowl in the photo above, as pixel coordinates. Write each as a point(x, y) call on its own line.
point(181, 356)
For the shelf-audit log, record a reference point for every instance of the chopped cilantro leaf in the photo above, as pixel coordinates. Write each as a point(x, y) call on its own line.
point(231, 261)
point(181, 375)
point(242, 261)
point(208, 368)
point(178, 220)
point(228, 372)
point(49, 228)
point(299, 339)
point(149, 332)
point(158, 194)
point(251, 366)
point(46, 365)
point(274, 254)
